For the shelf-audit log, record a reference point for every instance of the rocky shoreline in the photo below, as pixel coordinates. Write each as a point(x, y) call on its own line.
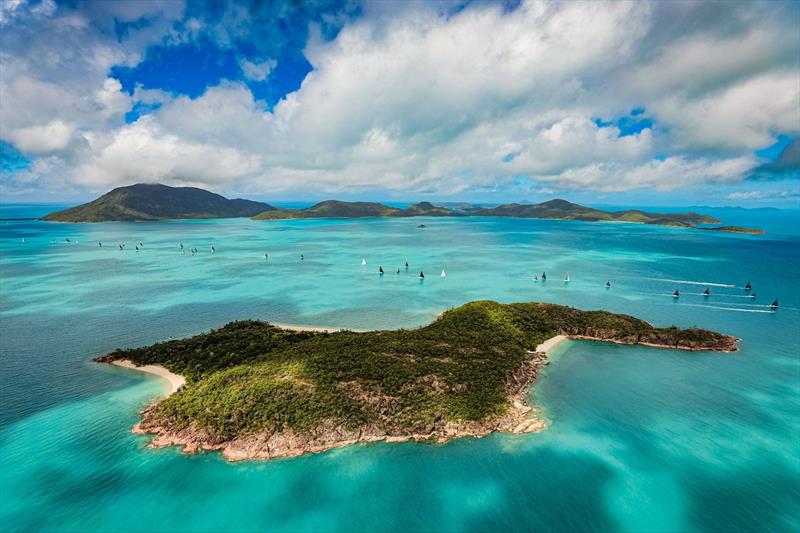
point(274, 444)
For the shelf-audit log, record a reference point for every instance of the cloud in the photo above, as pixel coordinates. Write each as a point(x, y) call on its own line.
point(142, 152)
point(785, 166)
point(764, 195)
point(53, 136)
point(258, 70)
point(662, 175)
point(423, 99)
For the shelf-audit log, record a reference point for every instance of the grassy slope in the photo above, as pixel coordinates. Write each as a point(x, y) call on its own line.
point(249, 377)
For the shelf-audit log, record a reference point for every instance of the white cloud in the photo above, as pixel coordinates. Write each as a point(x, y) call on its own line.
point(662, 175)
point(44, 139)
point(411, 101)
point(141, 152)
point(257, 70)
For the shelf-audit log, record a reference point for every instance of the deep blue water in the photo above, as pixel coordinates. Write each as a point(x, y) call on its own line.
point(638, 439)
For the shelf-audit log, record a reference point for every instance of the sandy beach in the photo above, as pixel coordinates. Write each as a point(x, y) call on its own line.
point(551, 343)
point(175, 381)
point(292, 327)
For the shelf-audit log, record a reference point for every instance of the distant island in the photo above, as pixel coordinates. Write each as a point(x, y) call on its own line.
point(553, 209)
point(339, 209)
point(158, 202)
point(161, 202)
point(737, 229)
point(564, 210)
point(254, 390)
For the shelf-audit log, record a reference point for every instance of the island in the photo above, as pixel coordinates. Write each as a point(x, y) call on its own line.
point(736, 229)
point(161, 202)
point(145, 201)
point(255, 390)
point(563, 210)
point(553, 210)
point(340, 209)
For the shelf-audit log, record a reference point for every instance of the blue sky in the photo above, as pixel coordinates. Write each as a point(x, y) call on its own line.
point(652, 103)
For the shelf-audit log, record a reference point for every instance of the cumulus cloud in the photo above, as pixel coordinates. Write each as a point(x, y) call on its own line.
point(421, 99)
point(50, 137)
point(143, 152)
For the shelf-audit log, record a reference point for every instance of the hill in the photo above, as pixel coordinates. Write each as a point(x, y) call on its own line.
point(563, 210)
point(340, 209)
point(158, 202)
point(737, 229)
point(256, 390)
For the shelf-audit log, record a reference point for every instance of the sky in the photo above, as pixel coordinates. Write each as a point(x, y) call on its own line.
point(620, 103)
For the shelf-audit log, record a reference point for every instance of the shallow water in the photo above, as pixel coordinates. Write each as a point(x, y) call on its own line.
point(639, 439)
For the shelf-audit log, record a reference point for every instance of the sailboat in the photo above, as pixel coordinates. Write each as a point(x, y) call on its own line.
point(676, 294)
point(380, 270)
point(544, 276)
point(748, 286)
point(566, 278)
point(421, 275)
point(706, 293)
point(443, 274)
point(774, 305)
point(363, 261)
point(608, 284)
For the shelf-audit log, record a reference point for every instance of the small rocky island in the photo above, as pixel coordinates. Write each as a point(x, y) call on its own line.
point(254, 390)
point(736, 229)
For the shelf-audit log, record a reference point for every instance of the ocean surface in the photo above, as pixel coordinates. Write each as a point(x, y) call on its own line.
point(639, 439)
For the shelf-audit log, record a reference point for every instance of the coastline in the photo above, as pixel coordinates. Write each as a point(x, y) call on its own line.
point(316, 329)
point(519, 417)
point(175, 381)
point(547, 346)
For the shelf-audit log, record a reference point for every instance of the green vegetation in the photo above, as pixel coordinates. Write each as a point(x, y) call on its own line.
point(564, 210)
point(553, 209)
point(250, 377)
point(339, 209)
point(737, 229)
point(158, 202)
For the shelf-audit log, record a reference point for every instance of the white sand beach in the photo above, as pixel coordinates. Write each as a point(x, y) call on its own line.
point(175, 381)
point(551, 343)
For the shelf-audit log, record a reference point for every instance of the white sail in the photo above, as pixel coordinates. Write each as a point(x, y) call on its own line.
point(363, 261)
point(443, 274)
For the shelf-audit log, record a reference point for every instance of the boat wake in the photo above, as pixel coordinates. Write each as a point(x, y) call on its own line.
point(688, 282)
point(737, 309)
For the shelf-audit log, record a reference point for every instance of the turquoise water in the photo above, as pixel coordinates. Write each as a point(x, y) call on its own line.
point(639, 439)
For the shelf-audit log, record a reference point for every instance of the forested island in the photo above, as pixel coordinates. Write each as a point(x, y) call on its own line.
point(340, 209)
point(736, 229)
point(254, 390)
point(145, 201)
